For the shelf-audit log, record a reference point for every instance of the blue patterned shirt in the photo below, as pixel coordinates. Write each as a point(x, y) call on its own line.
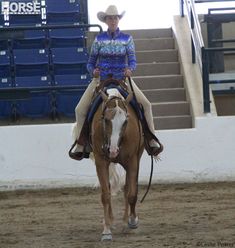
point(112, 53)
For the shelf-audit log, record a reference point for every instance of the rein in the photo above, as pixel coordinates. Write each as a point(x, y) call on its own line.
point(151, 172)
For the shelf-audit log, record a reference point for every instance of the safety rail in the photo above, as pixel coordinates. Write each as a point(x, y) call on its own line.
point(200, 53)
point(21, 93)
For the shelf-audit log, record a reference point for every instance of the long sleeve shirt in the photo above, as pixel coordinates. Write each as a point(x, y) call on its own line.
point(112, 53)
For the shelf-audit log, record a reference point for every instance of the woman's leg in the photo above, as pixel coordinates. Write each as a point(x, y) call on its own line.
point(141, 98)
point(82, 108)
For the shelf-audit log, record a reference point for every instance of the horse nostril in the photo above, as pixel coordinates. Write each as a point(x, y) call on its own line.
point(113, 152)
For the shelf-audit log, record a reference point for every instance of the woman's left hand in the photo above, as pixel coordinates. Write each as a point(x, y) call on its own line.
point(127, 72)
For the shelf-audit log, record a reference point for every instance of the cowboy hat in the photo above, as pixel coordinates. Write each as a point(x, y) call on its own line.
point(110, 11)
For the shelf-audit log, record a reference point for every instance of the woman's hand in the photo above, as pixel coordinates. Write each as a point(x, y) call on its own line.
point(96, 72)
point(127, 72)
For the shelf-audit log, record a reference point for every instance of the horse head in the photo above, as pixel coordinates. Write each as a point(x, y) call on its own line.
point(115, 118)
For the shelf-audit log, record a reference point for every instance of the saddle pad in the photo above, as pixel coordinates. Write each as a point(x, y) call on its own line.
point(98, 100)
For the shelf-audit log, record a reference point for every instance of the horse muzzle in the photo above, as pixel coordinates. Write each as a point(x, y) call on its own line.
point(113, 151)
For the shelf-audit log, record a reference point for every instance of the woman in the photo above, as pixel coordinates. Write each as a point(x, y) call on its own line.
point(109, 53)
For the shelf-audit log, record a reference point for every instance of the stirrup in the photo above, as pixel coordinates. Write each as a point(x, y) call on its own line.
point(154, 151)
point(76, 155)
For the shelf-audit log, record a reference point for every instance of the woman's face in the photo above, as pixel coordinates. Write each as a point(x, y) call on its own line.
point(112, 22)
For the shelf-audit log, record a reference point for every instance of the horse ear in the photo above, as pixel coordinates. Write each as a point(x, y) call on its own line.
point(103, 95)
point(129, 98)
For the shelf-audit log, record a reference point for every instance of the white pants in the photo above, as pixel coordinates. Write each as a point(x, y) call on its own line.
point(84, 103)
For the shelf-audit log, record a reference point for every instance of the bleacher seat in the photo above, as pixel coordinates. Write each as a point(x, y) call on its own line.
point(32, 39)
point(3, 44)
point(2, 22)
point(24, 20)
point(31, 62)
point(67, 11)
point(32, 70)
point(66, 102)
point(72, 79)
point(69, 66)
point(5, 69)
point(67, 37)
point(39, 105)
point(69, 55)
point(42, 58)
point(5, 82)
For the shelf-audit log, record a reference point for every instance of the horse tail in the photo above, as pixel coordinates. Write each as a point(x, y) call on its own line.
point(116, 178)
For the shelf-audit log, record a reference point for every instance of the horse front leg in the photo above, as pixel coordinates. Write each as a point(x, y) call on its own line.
point(102, 169)
point(132, 182)
point(126, 211)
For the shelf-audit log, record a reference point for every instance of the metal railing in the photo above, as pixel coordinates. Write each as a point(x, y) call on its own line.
point(200, 53)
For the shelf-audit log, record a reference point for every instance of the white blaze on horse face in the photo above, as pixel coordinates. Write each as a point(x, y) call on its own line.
point(117, 123)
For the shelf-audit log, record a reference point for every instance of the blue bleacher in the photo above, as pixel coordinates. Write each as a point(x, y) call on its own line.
point(69, 55)
point(3, 44)
point(32, 39)
point(32, 70)
point(42, 58)
point(72, 79)
point(30, 56)
point(67, 11)
point(5, 69)
point(24, 19)
point(5, 82)
point(2, 22)
point(69, 37)
point(69, 69)
point(39, 105)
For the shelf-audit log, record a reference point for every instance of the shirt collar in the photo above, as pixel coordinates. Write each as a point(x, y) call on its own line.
point(113, 35)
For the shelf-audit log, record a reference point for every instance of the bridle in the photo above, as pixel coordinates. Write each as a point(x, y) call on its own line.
point(106, 121)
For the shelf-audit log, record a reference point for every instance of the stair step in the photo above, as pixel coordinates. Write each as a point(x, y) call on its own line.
point(154, 44)
point(171, 108)
point(165, 95)
point(166, 68)
point(172, 122)
point(150, 33)
point(155, 56)
point(159, 82)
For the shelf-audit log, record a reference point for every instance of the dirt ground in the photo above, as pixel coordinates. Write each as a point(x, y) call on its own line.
point(179, 215)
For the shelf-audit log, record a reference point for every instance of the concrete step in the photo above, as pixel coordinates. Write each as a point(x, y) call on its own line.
point(154, 44)
point(170, 108)
point(165, 95)
point(150, 33)
point(173, 122)
point(156, 56)
point(166, 68)
point(159, 82)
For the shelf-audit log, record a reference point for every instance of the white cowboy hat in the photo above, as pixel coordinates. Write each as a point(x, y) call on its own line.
point(110, 11)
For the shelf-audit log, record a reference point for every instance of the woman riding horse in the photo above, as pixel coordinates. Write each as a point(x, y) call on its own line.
point(109, 53)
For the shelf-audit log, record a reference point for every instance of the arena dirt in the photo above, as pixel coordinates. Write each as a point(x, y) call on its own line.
point(181, 215)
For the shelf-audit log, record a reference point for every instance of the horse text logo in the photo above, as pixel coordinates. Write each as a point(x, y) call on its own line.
point(18, 8)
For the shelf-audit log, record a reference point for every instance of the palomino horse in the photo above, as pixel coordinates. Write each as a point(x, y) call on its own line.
point(116, 136)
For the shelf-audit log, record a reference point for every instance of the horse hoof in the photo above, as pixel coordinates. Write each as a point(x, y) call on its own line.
point(106, 237)
point(133, 223)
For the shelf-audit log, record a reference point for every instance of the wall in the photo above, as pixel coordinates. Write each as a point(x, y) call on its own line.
point(36, 156)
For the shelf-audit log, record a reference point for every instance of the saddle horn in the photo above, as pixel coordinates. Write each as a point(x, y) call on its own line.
point(103, 95)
